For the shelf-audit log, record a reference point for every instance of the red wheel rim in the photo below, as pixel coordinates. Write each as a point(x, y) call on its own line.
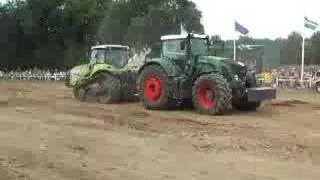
point(206, 96)
point(152, 88)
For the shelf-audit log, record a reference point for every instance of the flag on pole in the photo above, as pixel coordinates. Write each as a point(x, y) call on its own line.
point(240, 28)
point(310, 24)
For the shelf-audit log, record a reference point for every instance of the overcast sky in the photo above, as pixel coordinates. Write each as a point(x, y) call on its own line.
point(263, 18)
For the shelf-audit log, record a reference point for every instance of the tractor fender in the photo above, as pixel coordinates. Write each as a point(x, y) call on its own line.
point(101, 68)
point(204, 68)
point(169, 67)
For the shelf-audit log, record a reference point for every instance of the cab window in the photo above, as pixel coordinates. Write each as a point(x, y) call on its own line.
point(97, 56)
point(175, 49)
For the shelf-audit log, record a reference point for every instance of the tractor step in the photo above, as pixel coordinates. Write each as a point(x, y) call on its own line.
point(261, 93)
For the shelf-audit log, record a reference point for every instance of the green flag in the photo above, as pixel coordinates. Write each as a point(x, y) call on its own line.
point(310, 24)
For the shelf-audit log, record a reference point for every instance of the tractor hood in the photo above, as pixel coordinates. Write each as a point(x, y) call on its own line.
point(236, 67)
point(77, 73)
point(219, 60)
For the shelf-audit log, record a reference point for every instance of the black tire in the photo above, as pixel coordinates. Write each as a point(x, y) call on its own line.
point(111, 89)
point(162, 99)
point(220, 102)
point(128, 88)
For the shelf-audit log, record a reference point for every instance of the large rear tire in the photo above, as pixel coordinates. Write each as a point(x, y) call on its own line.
point(154, 88)
point(110, 89)
point(212, 95)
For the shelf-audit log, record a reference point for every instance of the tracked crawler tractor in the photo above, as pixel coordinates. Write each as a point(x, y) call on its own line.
point(185, 74)
point(107, 78)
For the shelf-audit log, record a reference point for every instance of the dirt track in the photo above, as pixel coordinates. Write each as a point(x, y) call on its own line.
point(44, 135)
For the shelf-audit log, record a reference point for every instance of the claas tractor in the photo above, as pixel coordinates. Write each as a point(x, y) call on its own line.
point(186, 75)
point(106, 78)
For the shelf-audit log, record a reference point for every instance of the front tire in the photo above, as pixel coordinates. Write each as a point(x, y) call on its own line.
point(212, 95)
point(154, 88)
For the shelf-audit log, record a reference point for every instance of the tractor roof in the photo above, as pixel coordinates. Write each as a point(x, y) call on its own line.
point(103, 46)
point(182, 36)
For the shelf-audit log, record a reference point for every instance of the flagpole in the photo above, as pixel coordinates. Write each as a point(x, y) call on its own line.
point(234, 41)
point(302, 60)
point(234, 49)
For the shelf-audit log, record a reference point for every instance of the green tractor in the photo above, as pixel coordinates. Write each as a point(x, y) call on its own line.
point(186, 75)
point(107, 78)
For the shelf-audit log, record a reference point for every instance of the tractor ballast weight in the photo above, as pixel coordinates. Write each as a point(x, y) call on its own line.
point(108, 77)
point(185, 74)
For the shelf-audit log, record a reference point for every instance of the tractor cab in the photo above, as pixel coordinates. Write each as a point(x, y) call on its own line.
point(114, 55)
point(184, 47)
point(190, 52)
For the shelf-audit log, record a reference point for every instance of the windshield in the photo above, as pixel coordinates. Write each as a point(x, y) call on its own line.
point(117, 57)
point(97, 56)
point(199, 46)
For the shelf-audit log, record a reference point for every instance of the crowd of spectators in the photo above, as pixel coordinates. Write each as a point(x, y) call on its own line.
point(284, 75)
point(33, 74)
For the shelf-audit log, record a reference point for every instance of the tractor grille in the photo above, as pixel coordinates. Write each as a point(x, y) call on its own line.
point(237, 69)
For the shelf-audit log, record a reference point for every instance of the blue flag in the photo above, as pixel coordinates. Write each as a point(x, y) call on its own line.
point(241, 29)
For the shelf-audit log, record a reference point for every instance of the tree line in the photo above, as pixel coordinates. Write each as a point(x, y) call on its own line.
point(59, 33)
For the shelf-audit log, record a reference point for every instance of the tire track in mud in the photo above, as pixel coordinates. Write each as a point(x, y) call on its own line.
point(200, 132)
point(224, 131)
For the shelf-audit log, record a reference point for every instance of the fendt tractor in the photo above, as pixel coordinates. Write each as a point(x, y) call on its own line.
point(186, 74)
point(107, 78)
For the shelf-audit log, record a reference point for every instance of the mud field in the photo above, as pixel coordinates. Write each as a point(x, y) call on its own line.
point(46, 135)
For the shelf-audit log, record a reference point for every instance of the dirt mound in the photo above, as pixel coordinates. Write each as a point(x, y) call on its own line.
point(288, 102)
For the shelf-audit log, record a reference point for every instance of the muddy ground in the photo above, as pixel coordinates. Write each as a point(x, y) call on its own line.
point(46, 135)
